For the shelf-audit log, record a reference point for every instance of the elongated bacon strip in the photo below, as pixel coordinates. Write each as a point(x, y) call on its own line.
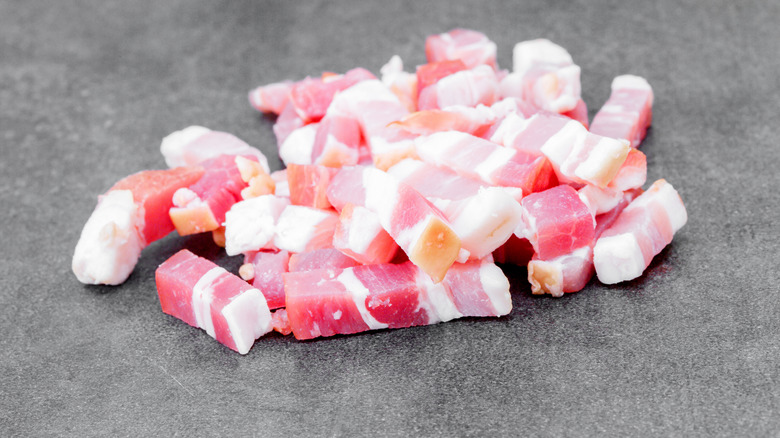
point(206, 296)
point(628, 112)
point(327, 302)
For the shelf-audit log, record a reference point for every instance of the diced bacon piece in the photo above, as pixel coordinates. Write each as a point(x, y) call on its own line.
point(337, 142)
point(512, 105)
point(298, 146)
point(579, 113)
point(323, 258)
point(287, 122)
point(632, 173)
point(585, 158)
point(628, 112)
point(207, 296)
point(485, 221)
point(571, 272)
point(544, 75)
point(469, 46)
point(129, 216)
point(271, 98)
point(311, 97)
point(475, 121)
point(374, 106)
point(599, 200)
point(327, 302)
point(418, 227)
point(475, 157)
point(196, 144)
point(153, 192)
point(266, 269)
point(436, 182)
point(280, 322)
point(515, 251)
point(346, 187)
point(202, 206)
point(403, 84)
point(556, 222)
point(360, 236)
point(641, 231)
point(467, 88)
point(281, 186)
point(564, 274)
point(309, 184)
point(431, 73)
point(479, 288)
point(250, 225)
point(300, 228)
point(482, 216)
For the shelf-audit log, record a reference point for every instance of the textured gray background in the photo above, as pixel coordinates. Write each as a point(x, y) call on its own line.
point(88, 89)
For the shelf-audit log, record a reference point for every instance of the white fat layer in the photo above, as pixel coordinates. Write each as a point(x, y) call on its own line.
point(438, 302)
point(250, 225)
point(466, 87)
point(359, 294)
point(618, 258)
point(174, 144)
point(512, 126)
point(298, 146)
point(391, 70)
point(381, 195)
point(527, 54)
point(631, 82)
point(608, 152)
point(297, 226)
point(110, 243)
point(559, 145)
point(485, 221)
point(405, 169)
point(497, 159)
point(496, 286)
point(248, 318)
point(664, 194)
point(202, 296)
point(364, 227)
point(599, 200)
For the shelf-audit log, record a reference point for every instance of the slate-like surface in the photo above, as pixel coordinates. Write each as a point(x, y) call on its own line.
point(88, 89)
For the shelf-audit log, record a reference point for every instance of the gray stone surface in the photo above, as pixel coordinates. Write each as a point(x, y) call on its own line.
point(88, 89)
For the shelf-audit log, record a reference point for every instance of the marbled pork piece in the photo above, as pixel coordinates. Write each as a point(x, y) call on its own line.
point(401, 83)
point(472, 120)
point(471, 47)
point(337, 142)
point(207, 296)
point(544, 75)
point(481, 159)
point(271, 98)
point(466, 87)
point(196, 144)
point(571, 272)
point(264, 269)
point(360, 235)
point(556, 222)
point(374, 107)
point(628, 112)
point(323, 258)
point(308, 184)
point(641, 231)
point(128, 217)
point(202, 206)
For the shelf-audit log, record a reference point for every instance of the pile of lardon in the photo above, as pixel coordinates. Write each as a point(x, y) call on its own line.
point(400, 194)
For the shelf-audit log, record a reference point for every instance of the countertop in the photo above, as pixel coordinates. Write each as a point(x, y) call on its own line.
point(89, 88)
